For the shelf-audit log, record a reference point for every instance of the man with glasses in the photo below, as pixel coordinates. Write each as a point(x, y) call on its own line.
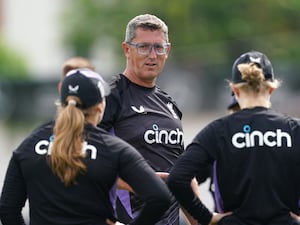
point(141, 113)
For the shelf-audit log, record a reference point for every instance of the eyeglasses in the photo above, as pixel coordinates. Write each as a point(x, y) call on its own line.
point(146, 48)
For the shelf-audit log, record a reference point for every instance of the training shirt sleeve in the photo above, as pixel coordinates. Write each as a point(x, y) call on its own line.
point(149, 187)
point(113, 105)
point(13, 195)
point(198, 155)
point(110, 113)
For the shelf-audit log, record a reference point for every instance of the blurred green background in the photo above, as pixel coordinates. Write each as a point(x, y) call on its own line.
point(206, 37)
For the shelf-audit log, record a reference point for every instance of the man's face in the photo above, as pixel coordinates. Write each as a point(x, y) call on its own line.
point(146, 67)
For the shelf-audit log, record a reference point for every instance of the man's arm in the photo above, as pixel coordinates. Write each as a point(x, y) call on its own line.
point(163, 175)
point(121, 184)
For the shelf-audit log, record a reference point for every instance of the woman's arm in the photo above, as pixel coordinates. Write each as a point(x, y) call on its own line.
point(121, 184)
point(179, 182)
point(191, 220)
point(13, 196)
point(152, 190)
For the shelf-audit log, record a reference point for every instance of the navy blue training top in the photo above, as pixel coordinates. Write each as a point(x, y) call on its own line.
point(88, 201)
point(257, 155)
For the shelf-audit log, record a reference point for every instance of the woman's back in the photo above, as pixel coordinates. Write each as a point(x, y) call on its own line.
point(256, 154)
point(256, 162)
point(68, 169)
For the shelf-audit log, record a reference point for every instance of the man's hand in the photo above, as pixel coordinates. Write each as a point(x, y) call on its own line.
point(121, 184)
point(109, 222)
point(162, 175)
point(294, 216)
point(217, 217)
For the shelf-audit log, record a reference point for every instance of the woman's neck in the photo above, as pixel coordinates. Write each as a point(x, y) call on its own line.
point(254, 101)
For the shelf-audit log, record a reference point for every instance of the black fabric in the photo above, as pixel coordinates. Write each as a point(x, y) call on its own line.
point(85, 84)
point(257, 159)
point(51, 202)
point(134, 111)
point(122, 214)
point(148, 119)
point(234, 220)
point(252, 57)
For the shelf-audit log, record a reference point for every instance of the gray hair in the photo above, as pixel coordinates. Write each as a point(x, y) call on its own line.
point(145, 21)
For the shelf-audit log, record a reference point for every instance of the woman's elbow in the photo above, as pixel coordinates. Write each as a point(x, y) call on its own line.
point(162, 202)
point(172, 182)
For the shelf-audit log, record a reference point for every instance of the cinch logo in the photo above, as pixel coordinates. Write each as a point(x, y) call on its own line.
point(44, 147)
point(250, 138)
point(162, 136)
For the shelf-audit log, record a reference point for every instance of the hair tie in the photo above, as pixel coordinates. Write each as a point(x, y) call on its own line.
point(72, 102)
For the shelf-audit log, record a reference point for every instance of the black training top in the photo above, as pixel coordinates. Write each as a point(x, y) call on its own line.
point(257, 154)
point(150, 120)
point(87, 202)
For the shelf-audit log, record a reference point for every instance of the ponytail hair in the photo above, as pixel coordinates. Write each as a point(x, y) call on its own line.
point(254, 78)
point(66, 151)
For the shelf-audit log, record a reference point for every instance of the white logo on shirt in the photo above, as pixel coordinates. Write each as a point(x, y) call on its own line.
point(45, 146)
point(155, 135)
point(250, 138)
point(140, 110)
point(170, 107)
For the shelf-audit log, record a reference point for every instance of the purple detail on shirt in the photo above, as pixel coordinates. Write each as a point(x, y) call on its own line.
point(112, 131)
point(113, 196)
point(218, 198)
point(124, 197)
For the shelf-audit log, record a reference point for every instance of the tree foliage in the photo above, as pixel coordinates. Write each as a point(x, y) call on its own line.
point(203, 33)
point(12, 63)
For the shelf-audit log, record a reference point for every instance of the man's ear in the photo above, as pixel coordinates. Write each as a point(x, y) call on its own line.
point(125, 48)
point(168, 50)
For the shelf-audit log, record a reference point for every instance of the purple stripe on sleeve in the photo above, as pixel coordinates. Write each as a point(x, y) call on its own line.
point(218, 198)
